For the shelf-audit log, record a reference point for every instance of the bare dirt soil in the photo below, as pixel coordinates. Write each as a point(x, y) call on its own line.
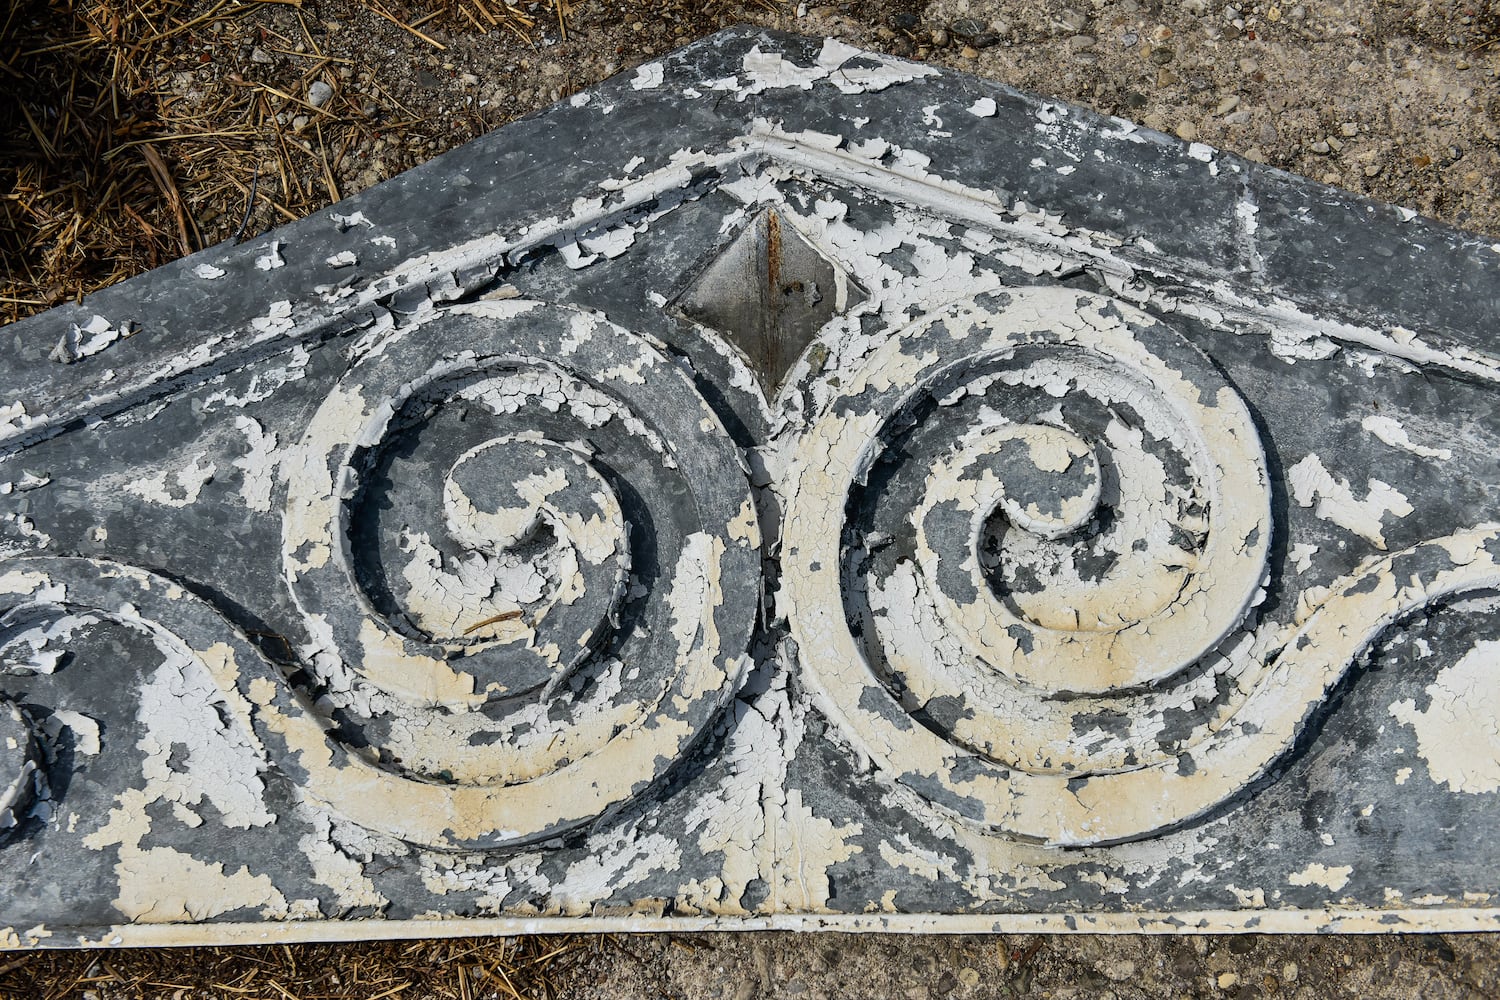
point(134, 131)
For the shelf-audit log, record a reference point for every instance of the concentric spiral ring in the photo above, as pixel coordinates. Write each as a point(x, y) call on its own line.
point(1151, 609)
point(586, 505)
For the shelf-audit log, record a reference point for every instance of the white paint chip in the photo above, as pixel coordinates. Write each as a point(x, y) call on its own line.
point(346, 222)
point(1394, 434)
point(1458, 734)
point(1313, 484)
point(648, 77)
point(1315, 874)
point(271, 259)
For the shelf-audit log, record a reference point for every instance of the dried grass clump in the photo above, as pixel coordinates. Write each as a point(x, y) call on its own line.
point(134, 132)
point(454, 969)
point(71, 208)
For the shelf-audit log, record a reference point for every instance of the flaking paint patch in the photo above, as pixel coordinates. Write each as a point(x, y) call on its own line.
point(258, 465)
point(1332, 499)
point(811, 845)
point(1458, 733)
point(1392, 432)
point(85, 730)
point(1334, 878)
point(164, 486)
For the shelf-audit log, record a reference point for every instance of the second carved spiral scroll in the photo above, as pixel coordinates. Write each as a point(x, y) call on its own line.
point(1021, 553)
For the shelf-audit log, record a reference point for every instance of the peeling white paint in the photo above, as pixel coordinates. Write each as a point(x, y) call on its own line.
point(271, 259)
point(1391, 431)
point(647, 77)
point(258, 465)
point(1333, 500)
point(188, 480)
point(1458, 733)
point(1334, 878)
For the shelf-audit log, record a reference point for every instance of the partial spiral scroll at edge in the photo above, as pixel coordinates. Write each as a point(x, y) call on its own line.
point(290, 732)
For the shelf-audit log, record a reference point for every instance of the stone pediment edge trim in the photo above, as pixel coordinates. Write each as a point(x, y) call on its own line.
point(429, 280)
point(1268, 921)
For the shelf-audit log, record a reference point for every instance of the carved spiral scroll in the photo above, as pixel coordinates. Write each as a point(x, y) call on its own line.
point(525, 549)
point(1031, 510)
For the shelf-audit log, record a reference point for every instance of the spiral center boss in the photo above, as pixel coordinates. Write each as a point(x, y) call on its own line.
point(541, 529)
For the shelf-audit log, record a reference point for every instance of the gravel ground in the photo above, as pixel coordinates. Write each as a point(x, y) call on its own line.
point(1396, 99)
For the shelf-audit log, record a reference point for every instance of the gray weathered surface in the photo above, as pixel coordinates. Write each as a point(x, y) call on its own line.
point(1112, 550)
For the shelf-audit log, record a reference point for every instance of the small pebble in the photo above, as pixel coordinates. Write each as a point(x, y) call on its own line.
point(1348, 130)
point(1320, 147)
point(969, 52)
point(904, 20)
point(940, 37)
point(1289, 972)
point(1248, 66)
point(1080, 42)
point(1187, 131)
point(968, 27)
point(985, 40)
point(968, 976)
point(299, 123)
point(1227, 105)
point(319, 93)
point(1228, 980)
point(1255, 153)
point(259, 55)
point(1335, 145)
point(1162, 55)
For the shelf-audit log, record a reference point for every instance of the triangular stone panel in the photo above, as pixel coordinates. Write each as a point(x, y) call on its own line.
point(1100, 538)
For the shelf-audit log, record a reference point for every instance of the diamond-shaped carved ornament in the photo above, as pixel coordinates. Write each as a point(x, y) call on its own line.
point(770, 292)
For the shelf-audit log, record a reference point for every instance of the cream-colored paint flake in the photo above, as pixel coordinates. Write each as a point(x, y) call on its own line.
point(1458, 734)
point(1334, 878)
